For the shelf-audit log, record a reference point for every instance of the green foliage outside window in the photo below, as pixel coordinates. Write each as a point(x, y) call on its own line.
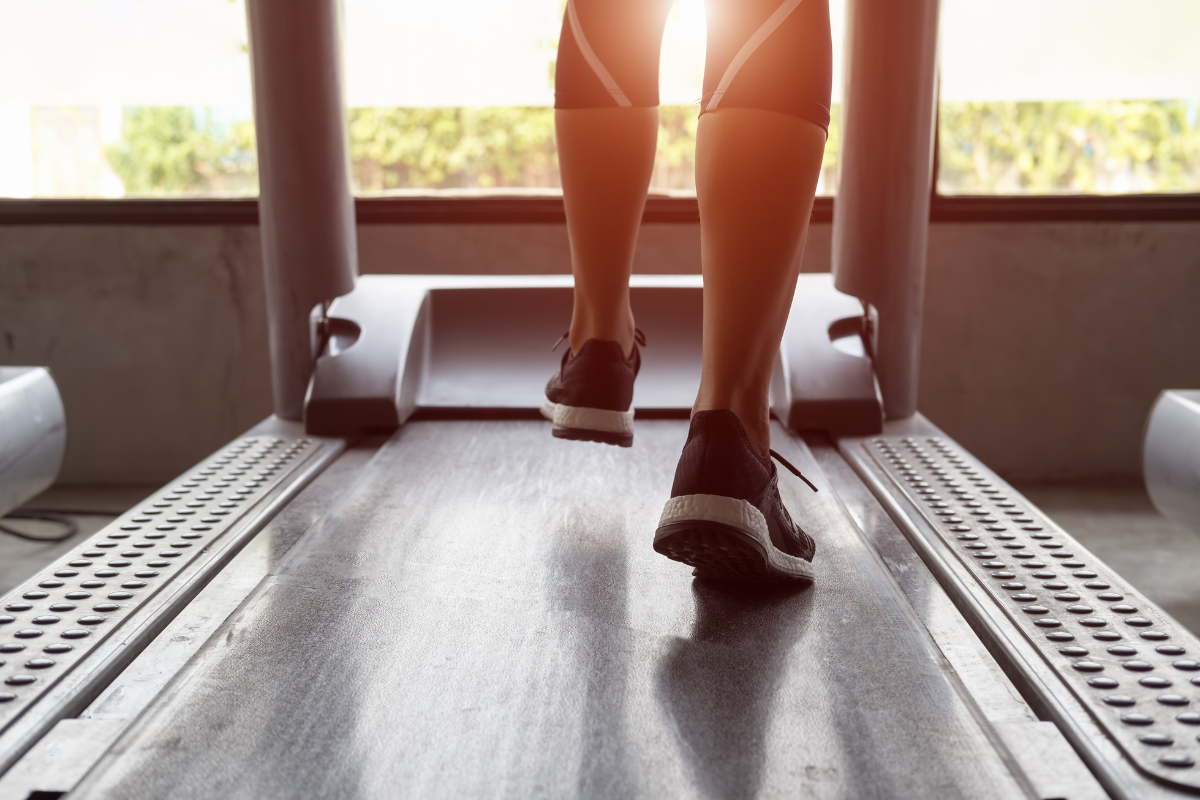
point(172, 150)
point(1069, 147)
point(442, 148)
point(675, 161)
point(985, 148)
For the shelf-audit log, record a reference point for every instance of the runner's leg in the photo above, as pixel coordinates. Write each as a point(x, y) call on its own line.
point(605, 156)
point(756, 173)
point(606, 120)
point(760, 144)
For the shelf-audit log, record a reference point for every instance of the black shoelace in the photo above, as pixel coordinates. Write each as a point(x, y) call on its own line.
point(794, 471)
point(640, 338)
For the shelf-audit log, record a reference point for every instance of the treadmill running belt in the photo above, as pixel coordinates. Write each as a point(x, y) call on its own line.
point(482, 615)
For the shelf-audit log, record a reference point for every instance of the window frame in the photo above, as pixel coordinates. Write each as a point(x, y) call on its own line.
point(548, 210)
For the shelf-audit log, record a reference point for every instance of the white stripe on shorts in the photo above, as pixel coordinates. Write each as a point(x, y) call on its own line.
point(589, 56)
point(760, 35)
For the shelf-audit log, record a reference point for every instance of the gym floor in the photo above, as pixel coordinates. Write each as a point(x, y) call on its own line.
point(1118, 523)
point(1115, 521)
point(20, 558)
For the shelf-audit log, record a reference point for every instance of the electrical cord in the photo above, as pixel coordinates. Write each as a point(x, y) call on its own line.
point(60, 516)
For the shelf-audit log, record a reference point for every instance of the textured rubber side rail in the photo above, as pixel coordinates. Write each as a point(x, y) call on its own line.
point(1130, 665)
point(131, 569)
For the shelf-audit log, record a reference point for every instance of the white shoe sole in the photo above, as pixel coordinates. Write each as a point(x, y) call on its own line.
point(577, 422)
point(724, 537)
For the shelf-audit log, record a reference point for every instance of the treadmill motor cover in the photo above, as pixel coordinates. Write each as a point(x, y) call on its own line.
point(441, 344)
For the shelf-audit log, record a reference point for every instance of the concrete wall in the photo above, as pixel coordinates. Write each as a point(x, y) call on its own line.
point(1045, 344)
point(155, 336)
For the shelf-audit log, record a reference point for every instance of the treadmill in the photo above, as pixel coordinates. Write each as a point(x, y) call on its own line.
point(400, 585)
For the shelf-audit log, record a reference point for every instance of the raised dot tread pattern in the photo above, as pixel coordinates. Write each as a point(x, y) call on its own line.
point(52, 621)
point(1132, 667)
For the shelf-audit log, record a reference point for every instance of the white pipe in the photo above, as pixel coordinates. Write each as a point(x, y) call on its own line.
point(33, 434)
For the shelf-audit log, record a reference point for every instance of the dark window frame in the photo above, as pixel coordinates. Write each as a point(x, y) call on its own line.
point(548, 210)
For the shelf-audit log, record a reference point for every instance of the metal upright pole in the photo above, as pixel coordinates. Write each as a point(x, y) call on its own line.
point(885, 169)
point(306, 211)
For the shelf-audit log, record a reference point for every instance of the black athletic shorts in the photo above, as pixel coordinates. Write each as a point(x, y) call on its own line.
point(773, 55)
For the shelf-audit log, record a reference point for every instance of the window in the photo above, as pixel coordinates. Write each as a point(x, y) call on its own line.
point(151, 98)
point(460, 95)
point(1069, 97)
point(113, 98)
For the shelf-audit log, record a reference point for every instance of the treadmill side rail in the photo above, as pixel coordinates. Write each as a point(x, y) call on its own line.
point(825, 377)
point(71, 628)
point(364, 375)
point(1087, 650)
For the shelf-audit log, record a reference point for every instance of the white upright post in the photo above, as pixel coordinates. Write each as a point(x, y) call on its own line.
point(306, 210)
point(885, 171)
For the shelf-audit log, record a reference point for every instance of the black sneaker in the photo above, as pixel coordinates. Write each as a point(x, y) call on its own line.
point(590, 398)
point(725, 516)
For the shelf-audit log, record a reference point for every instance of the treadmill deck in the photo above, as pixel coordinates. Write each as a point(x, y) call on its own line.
point(481, 614)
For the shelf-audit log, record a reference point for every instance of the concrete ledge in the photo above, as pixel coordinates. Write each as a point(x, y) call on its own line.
point(1045, 344)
